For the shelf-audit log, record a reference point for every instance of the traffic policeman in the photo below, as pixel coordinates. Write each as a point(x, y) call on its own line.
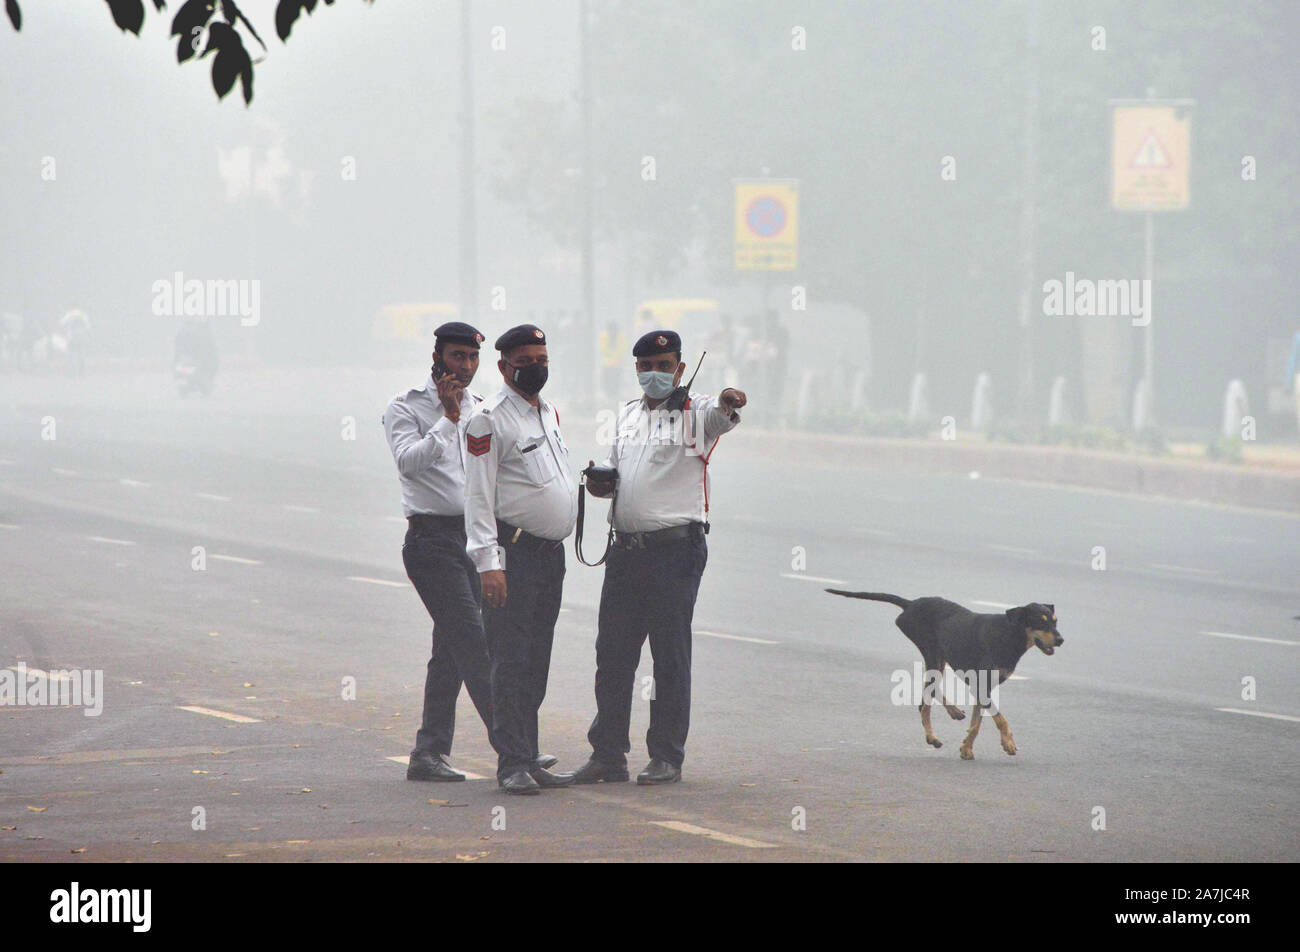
point(520, 506)
point(425, 427)
point(652, 574)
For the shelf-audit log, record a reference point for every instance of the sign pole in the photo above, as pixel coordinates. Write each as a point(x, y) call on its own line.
point(1148, 360)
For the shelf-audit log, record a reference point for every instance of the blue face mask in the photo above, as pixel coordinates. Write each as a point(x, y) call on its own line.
point(656, 383)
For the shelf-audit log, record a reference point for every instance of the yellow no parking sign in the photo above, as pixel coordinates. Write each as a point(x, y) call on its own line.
point(767, 224)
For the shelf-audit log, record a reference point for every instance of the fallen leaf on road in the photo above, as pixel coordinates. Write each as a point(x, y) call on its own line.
point(36, 837)
point(198, 771)
point(471, 857)
point(248, 684)
point(79, 850)
point(749, 785)
point(37, 809)
point(306, 789)
point(10, 828)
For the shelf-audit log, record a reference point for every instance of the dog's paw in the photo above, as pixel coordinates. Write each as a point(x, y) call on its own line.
point(934, 742)
point(956, 713)
point(967, 753)
point(1009, 745)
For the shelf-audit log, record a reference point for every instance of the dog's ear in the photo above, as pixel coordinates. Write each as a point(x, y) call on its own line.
point(1017, 615)
point(1052, 609)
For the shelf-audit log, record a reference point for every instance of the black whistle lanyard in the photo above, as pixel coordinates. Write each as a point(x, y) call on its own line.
point(609, 538)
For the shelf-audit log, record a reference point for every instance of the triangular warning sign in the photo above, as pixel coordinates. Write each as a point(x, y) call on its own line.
point(1151, 154)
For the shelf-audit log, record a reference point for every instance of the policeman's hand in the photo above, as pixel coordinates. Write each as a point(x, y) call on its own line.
point(599, 487)
point(494, 587)
point(449, 391)
point(732, 399)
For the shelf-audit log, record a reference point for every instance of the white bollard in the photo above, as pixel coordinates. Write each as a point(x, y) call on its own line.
point(858, 396)
point(1056, 403)
point(1235, 408)
point(918, 405)
point(981, 411)
point(805, 403)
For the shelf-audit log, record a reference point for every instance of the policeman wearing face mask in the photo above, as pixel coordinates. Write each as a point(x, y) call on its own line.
point(521, 503)
point(652, 574)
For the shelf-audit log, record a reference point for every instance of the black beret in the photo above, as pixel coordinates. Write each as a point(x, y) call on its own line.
point(519, 336)
point(459, 331)
point(657, 342)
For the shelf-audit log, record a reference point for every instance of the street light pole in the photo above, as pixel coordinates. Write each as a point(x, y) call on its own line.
point(468, 218)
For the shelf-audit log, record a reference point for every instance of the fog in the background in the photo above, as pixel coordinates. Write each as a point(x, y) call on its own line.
point(904, 270)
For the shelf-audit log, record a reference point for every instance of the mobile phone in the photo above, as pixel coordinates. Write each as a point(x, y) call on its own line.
point(439, 369)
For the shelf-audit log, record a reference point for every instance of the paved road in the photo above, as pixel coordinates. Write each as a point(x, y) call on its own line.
point(303, 587)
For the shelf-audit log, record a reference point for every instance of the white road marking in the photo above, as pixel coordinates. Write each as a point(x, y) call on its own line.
point(110, 541)
point(302, 509)
point(38, 673)
point(1002, 605)
point(213, 496)
point(712, 834)
point(1271, 641)
point(405, 760)
point(7, 525)
point(1015, 549)
point(225, 715)
point(234, 558)
point(394, 519)
point(1018, 677)
point(134, 483)
point(63, 472)
point(755, 641)
point(1277, 717)
point(376, 581)
point(1181, 568)
point(813, 578)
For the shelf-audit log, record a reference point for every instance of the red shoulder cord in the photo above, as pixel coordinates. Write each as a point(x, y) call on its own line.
point(705, 459)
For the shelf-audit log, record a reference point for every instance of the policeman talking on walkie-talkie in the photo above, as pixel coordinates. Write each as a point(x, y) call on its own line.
point(659, 517)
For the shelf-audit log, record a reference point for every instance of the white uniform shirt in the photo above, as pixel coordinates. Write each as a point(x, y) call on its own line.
point(660, 457)
point(516, 470)
point(429, 449)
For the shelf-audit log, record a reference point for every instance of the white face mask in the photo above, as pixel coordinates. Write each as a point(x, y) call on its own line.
point(656, 383)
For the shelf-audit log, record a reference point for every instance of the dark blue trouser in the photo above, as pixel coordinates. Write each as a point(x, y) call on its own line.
point(650, 592)
point(519, 637)
point(436, 563)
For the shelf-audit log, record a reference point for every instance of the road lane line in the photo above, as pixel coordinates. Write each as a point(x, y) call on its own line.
point(234, 558)
point(301, 508)
point(224, 715)
point(1278, 717)
point(110, 541)
point(134, 483)
point(1270, 641)
point(63, 472)
point(813, 578)
point(712, 834)
point(376, 581)
point(405, 761)
point(37, 672)
point(1181, 568)
point(213, 496)
point(718, 634)
point(394, 519)
point(1014, 549)
point(7, 525)
point(994, 604)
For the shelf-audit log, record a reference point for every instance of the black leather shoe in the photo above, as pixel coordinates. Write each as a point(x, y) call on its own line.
point(425, 765)
point(596, 771)
point(544, 778)
point(659, 771)
point(520, 783)
point(546, 761)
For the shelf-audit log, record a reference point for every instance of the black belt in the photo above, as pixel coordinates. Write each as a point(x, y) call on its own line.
point(424, 520)
point(513, 535)
point(648, 540)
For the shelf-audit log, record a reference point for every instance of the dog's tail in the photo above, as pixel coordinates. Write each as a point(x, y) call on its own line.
point(873, 596)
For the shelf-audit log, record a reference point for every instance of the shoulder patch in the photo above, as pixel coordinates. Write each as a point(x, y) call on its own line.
point(478, 445)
